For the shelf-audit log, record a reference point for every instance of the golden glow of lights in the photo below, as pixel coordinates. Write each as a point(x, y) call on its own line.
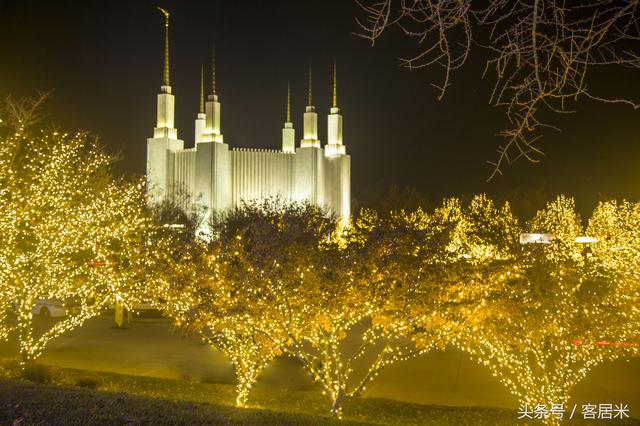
point(70, 231)
point(289, 281)
point(285, 279)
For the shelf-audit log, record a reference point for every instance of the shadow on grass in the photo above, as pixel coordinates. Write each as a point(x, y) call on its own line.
point(30, 403)
point(124, 399)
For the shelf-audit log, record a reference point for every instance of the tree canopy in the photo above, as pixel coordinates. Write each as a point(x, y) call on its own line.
point(71, 232)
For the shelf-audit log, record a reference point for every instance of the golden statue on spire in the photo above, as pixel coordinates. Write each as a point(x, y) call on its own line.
point(165, 80)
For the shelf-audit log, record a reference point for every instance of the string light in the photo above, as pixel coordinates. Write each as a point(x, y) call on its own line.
point(528, 320)
point(408, 282)
point(285, 279)
point(69, 230)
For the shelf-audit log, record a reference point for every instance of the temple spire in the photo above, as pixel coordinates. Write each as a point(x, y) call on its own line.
point(201, 118)
point(201, 89)
point(288, 102)
point(288, 133)
point(310, 127)
point(165, 79)
point(335, 89)
point(310, 87)
point(213, 70)
point(212, 107)
point(334, 145)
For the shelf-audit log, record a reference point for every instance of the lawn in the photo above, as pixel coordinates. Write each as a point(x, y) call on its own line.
point(81, 397)
point(29, 403)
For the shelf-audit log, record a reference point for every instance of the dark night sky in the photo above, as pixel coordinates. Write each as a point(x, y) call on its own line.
point(104, 60)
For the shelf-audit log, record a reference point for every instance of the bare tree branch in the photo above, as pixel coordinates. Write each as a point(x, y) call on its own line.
point(541, 53)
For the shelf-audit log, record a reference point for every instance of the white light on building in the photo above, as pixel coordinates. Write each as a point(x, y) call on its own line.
point(586, 239)
point(221, 177)
point(536, 238)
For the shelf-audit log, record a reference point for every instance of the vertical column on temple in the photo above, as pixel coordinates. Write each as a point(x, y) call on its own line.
point(309, 165)
point(310, 129)
point(165, 136)
point(213, 124)
point(288, 132)
point(213, 177)
point(334, 144)
point(337, 163)
point(201, 119)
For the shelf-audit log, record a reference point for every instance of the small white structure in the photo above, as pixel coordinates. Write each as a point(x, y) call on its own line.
point(537, 238)
point(220, 177)
point(531, 238)
point(585, 239)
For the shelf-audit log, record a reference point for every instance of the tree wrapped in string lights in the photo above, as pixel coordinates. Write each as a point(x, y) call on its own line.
point(558, 309)
point(348, 318)
point(229, 291)
point(381, 288)
point(349, 302)
point(477, 243)
point(69, 229)
point(284, 277)
point(224, 300)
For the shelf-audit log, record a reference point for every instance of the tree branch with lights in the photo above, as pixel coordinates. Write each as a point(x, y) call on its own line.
point(347, 303)
point(71, 232)
point(223, 290)
point(556, 311)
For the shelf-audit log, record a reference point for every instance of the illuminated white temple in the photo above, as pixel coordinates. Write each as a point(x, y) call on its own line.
point(220, 177)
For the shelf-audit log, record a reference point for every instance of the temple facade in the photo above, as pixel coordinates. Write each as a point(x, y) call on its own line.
point(219, 177)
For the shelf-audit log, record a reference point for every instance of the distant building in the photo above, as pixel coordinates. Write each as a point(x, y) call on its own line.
point(220, 177)
point(536, 238)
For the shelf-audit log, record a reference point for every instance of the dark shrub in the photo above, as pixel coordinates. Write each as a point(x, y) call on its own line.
point(39, 373)
point(217, 378)
point(90, 381)
point(10, 368)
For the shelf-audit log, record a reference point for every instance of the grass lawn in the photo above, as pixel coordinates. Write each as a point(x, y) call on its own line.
point(30, 403)
point(122, 399)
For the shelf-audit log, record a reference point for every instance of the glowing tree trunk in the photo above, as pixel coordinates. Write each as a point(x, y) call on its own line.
point(560, 310)
point(249, 354)
point(540, 377)
point(31, 347)
point(332, 366)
